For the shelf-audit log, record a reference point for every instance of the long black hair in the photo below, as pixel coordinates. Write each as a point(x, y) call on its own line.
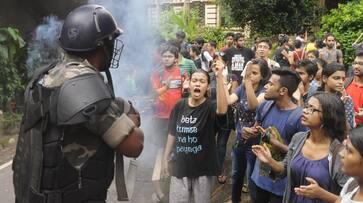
point(334, 121)
point(329, 70)
point(356, 138)
point(264, 70)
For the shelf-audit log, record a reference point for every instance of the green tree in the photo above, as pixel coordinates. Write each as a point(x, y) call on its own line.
point(191, 24)
point(345, 23)
point(269, 17)
point(171, 22)
point(13, 71)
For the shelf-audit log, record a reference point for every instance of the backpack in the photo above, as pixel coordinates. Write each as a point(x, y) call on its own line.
point(348, 81)
point(290, 125)
point(335, 188)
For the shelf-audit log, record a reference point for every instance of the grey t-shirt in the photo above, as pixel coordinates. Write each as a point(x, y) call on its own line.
point(332, 55)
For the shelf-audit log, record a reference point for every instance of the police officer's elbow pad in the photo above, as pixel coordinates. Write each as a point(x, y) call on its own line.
point(133, 144)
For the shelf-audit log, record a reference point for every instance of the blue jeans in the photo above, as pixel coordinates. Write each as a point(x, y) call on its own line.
point(242, 156)
point(222, 139)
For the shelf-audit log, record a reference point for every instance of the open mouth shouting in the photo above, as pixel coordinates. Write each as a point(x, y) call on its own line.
point(197, 92)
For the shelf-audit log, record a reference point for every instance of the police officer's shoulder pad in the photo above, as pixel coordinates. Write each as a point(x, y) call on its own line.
point(81, 97)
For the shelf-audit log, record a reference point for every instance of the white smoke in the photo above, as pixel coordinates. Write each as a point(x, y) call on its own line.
point(132, 79)
point(44, 49)
point(132, 76)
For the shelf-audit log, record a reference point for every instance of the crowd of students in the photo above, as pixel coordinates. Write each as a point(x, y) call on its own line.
point(297, 118)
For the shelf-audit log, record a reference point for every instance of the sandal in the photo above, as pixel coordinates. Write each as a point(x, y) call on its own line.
point(222, 179)
point(245, 188)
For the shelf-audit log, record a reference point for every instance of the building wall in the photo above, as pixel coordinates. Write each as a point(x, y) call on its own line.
point(209, 12)
point(211, 15)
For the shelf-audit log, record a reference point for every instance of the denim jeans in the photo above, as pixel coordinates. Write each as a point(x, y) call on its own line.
point(263, 196)
point(242, 156)
point(222, 139)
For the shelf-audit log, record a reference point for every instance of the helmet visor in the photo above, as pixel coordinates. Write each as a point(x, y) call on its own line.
point(117, 50)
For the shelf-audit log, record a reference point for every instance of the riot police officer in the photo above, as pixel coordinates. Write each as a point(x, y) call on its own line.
point(72, 123)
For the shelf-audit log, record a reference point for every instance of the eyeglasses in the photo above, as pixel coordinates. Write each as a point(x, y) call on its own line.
point(357, 63)
point(263, 47)
point(311, 109)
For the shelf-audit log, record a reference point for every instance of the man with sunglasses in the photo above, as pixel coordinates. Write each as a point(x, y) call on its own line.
point(73, 124)
point(354, 87)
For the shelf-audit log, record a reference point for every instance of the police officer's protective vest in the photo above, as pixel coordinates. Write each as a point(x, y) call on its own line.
point(41, 172)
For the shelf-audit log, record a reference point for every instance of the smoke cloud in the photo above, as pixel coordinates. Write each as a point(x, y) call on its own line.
point(131, 79)
point(132, 76)
point(44, 48)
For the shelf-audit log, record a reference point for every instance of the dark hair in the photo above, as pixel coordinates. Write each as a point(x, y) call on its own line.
point(229, 34)
point(195, 49)
point(312, 38)
point(359, 53)
point(202, 71)
point(282, 39)
point(199, 40)
point(237, 36)
point(297, 44)
point(329, 35)
point(175, 43)
point(356, 138)
point(321, 62)
point(319, 43)
point(334, 121)
point(310, 67)
point(180, 34)
point(172, 49)
point(265, 40)
point(213, 43)
point(288, 78)
point(264, 69)
point(330, 69)
point(315, 52)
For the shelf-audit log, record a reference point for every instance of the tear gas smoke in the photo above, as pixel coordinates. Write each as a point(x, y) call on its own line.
point(44, 48)
point(131, 80)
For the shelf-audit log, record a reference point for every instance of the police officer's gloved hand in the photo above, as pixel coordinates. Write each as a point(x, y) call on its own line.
point(132, 113)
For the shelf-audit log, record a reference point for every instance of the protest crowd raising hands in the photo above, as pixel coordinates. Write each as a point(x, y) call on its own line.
point(296, 113)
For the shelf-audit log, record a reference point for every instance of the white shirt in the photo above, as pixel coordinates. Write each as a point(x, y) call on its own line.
point(209, 58)
point(347, 196)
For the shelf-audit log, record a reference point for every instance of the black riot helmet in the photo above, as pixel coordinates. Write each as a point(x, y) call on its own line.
point(89, 27)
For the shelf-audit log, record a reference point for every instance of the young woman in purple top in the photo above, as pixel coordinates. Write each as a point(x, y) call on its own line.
point(312, 164)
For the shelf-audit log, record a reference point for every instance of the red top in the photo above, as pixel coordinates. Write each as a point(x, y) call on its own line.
point(166, 101)
point(356, 92)
point(298, 55)
point(223, 49)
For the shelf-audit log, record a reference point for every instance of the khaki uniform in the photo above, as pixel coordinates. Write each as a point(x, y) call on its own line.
point(82, 140)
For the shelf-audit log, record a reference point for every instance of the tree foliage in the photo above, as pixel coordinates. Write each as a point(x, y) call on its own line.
point(171, 22)
point(269, 17)
point(345, 23)
point(13, 71)
point(191, 24)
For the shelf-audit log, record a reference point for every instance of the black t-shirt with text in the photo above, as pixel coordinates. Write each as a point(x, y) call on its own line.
point(236, 59)
point(194, 129)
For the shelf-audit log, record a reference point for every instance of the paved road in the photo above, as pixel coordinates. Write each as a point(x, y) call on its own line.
point(143, 186)
point(6, 189)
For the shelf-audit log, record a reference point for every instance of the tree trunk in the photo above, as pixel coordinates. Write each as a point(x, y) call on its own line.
point(4, 101)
